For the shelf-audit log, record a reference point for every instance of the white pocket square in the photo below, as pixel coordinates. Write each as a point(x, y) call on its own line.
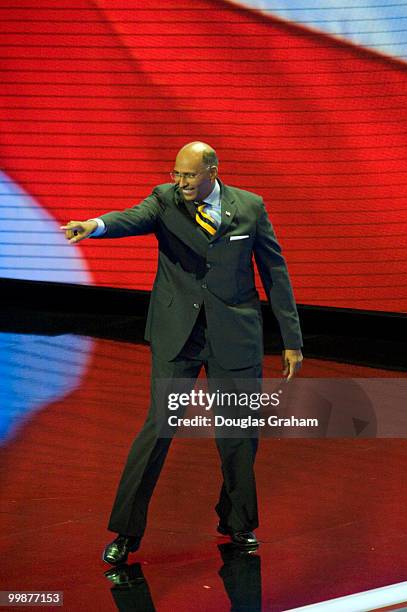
point(239, 237)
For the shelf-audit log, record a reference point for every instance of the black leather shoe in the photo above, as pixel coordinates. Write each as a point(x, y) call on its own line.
point(117, 551)
point(243, 539)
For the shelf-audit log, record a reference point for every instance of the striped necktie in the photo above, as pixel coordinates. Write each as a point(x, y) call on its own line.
point(205, 220)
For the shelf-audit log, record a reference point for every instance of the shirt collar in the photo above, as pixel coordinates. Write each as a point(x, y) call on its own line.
point(213, 198)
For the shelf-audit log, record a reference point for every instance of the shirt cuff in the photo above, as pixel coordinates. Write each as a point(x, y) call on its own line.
point(100, 230)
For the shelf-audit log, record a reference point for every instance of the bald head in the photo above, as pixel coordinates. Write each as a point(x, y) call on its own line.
point(200, 151)
point(197, 165)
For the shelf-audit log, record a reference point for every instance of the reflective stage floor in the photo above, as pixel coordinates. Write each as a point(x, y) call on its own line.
point(333, 512)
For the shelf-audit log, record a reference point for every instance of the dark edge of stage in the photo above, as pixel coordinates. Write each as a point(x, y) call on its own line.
point(359, 337)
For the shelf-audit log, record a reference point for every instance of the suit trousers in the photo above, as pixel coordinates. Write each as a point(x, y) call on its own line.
point(237, 505)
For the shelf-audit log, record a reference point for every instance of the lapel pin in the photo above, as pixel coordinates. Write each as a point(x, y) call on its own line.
point(227, 213)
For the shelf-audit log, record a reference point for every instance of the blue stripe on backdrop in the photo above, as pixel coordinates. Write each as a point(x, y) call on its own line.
point(380, 25)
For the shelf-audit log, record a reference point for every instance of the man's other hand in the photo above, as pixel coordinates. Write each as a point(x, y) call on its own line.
point(78, 230)
point(292, 360)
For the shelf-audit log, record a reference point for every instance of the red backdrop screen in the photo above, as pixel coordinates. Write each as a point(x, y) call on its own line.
point(97, 97)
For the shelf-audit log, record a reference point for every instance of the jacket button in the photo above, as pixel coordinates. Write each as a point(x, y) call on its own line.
point(196, 305)
point(204, 286)
point(208, 265)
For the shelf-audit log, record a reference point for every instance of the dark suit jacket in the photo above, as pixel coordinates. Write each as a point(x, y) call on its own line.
point(217, 271)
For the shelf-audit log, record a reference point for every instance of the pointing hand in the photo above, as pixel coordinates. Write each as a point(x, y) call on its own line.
point(78, 230)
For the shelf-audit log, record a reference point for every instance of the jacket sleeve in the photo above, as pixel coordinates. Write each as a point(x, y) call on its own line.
point(276, 281)
point(135, 221)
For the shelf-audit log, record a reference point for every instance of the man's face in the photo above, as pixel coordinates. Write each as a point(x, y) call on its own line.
point(196, 180)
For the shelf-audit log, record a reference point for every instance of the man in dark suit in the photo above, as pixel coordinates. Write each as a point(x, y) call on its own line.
point(204, 311)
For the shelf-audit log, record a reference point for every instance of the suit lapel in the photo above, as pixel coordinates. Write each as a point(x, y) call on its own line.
point(180, 223)
point(228, 211)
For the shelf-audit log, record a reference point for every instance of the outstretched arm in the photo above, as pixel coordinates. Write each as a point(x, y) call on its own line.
point(139, 219)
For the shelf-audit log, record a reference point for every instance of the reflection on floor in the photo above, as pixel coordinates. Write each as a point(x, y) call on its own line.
point(333, 517)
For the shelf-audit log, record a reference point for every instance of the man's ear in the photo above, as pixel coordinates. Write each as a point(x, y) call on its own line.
point(213, 172)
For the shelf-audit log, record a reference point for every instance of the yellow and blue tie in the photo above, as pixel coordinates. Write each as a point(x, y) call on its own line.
point(205, 220)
